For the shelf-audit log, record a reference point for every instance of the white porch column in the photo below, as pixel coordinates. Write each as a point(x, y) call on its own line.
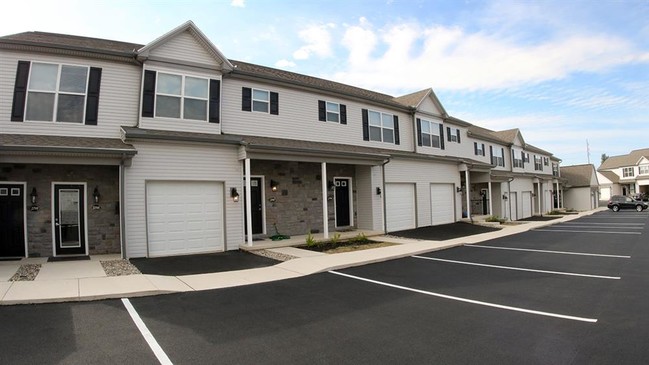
point(468, 194)
point(556, 194)
point(491, 211)
point(538, 198)
point(325, 211)
point(248, 206)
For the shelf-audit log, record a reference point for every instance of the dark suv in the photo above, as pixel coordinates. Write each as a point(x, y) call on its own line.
point(618, 202)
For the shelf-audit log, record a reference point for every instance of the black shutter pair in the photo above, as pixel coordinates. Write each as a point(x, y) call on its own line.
point(457, 134)
point(366, 127)
point(246, 101)
point(502, 153)
point(522, 159)
point(491, 154)
point(419, 143)
point(322, 112)
point(483, 150)
point(20, 94)
point(441, 136)
point(148, 97)
point(475, 148)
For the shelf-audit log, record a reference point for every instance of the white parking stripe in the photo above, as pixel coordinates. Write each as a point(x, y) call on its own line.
point(153, 344)
point(518, 268)
point(548, 251)
point(465, 300)
point(607, 226)
point(574, 231)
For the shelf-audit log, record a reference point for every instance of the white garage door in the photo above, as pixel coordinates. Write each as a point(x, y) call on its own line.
point(442, 203)
point(513, 206)
point(400, 206)
point(526, 198)
point(184, 217)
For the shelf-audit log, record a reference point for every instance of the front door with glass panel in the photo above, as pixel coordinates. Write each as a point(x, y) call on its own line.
point(69, 219)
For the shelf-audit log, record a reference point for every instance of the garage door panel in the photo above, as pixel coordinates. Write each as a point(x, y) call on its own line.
point(400, 206)
point(184, 217)
point(526, 203)
point(442, 204)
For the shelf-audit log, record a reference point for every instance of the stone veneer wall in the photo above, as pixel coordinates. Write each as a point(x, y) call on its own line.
point(297, 209)
point(102, 224)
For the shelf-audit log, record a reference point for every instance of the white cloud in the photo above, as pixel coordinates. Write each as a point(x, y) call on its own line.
point(414, 57)
point(238, 3)
point(318, 42)
point(284, 64)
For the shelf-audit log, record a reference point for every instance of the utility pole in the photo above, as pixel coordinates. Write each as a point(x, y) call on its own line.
point(588, 151)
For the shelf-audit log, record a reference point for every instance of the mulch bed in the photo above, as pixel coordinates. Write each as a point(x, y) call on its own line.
point(444, 231)
point(540, 218)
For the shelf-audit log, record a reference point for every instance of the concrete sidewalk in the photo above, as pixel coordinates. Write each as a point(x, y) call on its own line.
point(86, 280)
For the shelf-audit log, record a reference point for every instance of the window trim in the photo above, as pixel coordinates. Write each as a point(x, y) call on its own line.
point(626, 174)
point(538, 163)
point(181, 96)
point(252, 100)
point(56, 92)
point(382, 127)
point(434, 128)
point(640, 167)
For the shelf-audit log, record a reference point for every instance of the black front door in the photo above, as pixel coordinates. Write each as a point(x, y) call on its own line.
point(69, 219)
point(12, 220)
point(342, 202)
point(256, 205)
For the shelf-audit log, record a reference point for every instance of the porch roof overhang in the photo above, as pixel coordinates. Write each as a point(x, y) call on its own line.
point(504, 176)
point(134, 133)
point(265, 148)
point(65, 146)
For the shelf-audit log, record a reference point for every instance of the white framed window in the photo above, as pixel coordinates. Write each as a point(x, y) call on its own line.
point(56, 93)
point(538, 163)
point(333, 112)
point(627, 172)
point(555, 169)
point(430, 134)
point(517, 158)
point(260, 100)
point(478, 149)
point(381, 126)
point(181, 97)
point(498, 158)
point(453, 134)
point(643, 170)
point(546, 161)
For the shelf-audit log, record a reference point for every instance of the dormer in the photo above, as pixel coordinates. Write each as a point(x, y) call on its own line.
point(181, 88)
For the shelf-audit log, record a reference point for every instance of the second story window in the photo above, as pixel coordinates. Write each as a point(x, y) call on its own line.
point(428, 133)
point(643, 170)
point(555, 169)
point(332, 112)
point(526, 157)
point(497, 156)
point(381, 127)
point(258, 100)
point(627, 172)
point(478, 149)
point(453, 134)
point(538, 166)
point(517, 159)
point(182, 97)
point(52, 92)
point(546, 161)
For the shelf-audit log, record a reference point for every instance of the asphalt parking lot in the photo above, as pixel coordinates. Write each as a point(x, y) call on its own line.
point(570, 293)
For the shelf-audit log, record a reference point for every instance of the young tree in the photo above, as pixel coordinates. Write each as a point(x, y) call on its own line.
point(604, 157)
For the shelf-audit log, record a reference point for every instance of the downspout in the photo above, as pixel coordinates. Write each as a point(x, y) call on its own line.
point(385, 208)
point(122, 219)
point(509, 196)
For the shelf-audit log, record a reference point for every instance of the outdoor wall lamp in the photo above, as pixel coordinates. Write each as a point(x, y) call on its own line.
point(378, 190)
point(234, 194)
point(330, 185)
point(504, 196)
point(34, 196)
point(274, 185)
point(96, 195)
point(458, 189)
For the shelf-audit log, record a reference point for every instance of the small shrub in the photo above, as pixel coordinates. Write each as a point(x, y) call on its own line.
point(310, 240)
point(495, 218)
point(335, 239)
point(360, 238)
point(554, 212)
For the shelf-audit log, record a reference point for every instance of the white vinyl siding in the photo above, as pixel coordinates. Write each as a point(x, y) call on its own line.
point(184, 47)
point(526, 204)
point(400, 206)
point(294, 115)
point(369, 205)
point(184, 217)
point(118, 99)
point(180, 162)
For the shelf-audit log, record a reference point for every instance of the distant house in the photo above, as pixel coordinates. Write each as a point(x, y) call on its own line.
point(625, 174)
point(581, 188)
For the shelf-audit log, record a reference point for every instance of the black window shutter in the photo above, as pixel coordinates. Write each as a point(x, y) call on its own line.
point(343, 114)
point(148, 94)
point(522, 159)
point(491, 154)
point(246, 99)
point(215, 101)
point(483, 150)
point(441, 136)
point(274, 103)
point(458, 135)
point(396, 130)
point(366, 126)
point(502, 153)
point(20, 91)
point(92, 102)
point(475, 148)
point(418, 132)
point(322, 111)
point(448, 133)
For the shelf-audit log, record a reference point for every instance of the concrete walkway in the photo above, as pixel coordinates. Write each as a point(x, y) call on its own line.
point(86, 280)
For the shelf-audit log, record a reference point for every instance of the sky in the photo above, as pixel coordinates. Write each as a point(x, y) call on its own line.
point(572, 75)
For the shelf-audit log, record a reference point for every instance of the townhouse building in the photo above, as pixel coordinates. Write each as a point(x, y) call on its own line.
point(171, 148)
point(625, 174)
point(581, 188)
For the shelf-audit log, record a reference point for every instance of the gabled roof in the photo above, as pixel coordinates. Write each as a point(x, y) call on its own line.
point(579, 175)
point(531, 148)
point(415, 99)
point(510, 135)
point(71, 42)
point(610, 175)
point(487, 134)
point(630, 159)
point(190, 27)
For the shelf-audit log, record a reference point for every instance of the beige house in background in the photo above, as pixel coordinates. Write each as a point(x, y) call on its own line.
point(625, 174)
point(581, 190)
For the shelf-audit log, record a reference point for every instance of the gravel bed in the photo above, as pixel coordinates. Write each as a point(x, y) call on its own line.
point(119, 268)
point(26, 272)
point(273, 255)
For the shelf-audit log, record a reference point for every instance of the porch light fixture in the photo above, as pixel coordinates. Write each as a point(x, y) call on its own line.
point(96, 195)
point(234, 194)
point(504, 196)
point(458, 189)
point(378, 190)
point(34, 196)
point(274, 185)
